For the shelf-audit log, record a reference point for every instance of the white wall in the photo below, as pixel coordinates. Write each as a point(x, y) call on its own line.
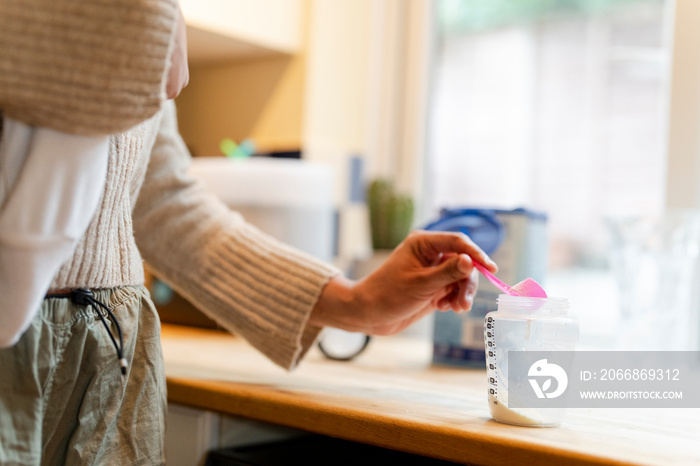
point(683, 174)
point(366, 91)
point(337, 79)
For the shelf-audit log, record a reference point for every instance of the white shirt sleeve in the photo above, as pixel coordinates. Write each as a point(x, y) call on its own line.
point(50, 186)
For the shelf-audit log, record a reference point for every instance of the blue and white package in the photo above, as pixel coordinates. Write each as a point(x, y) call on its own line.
point(517, 241)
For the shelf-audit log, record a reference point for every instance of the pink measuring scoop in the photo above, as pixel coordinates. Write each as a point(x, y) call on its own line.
point(528, 287)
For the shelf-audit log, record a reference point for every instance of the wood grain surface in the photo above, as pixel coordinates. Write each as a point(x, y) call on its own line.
point(391, 396)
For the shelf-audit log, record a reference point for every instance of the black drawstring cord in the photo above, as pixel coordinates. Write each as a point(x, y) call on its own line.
point(85, 297)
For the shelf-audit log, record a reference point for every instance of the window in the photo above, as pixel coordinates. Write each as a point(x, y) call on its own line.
point(556, 106)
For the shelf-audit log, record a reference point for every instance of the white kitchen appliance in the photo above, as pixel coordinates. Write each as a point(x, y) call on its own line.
point(290, 199)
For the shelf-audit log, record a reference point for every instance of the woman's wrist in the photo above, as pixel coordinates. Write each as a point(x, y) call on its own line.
point(338, 306)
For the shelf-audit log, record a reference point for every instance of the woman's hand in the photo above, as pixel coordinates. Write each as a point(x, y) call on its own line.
point(428, 271)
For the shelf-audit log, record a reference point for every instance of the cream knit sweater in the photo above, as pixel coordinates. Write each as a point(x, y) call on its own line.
point(248, 282)
point(98, 67)
point(84, 66)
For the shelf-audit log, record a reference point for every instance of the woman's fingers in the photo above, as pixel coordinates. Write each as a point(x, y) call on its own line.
point(431, 245)
point(458, 296)
point(451, 271)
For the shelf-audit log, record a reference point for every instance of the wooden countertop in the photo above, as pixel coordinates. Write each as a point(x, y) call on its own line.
point(391, 396)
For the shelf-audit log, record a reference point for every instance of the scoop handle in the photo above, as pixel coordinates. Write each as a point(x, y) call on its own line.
point(492, 278)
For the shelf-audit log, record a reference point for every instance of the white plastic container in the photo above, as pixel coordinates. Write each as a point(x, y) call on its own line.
point(291, 200)
point(524, 324)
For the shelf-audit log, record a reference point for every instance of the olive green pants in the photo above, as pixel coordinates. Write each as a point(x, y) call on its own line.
point(63, 399)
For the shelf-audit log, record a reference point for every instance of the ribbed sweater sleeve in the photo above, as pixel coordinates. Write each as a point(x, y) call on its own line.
point(84, 66)
point(250, 283)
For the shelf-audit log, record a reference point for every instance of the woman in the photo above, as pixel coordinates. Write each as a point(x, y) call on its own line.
point(84, 382)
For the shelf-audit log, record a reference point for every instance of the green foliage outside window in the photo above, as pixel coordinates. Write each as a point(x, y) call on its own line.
point(456, 16)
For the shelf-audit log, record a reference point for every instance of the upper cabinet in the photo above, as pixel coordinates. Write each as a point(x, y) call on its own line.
point(226, 30)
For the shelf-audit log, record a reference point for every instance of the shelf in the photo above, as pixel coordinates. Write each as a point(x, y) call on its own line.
point(204, 46)
point(228, 30)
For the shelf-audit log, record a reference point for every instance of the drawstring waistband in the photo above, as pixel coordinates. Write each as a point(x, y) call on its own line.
point(82, 296)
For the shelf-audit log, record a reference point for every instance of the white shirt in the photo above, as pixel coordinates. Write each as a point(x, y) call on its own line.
point(50, 186)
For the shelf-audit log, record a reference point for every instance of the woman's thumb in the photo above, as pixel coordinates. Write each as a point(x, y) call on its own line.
point(452, 270)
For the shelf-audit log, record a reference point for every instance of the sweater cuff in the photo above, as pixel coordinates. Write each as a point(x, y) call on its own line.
point(263, 290)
